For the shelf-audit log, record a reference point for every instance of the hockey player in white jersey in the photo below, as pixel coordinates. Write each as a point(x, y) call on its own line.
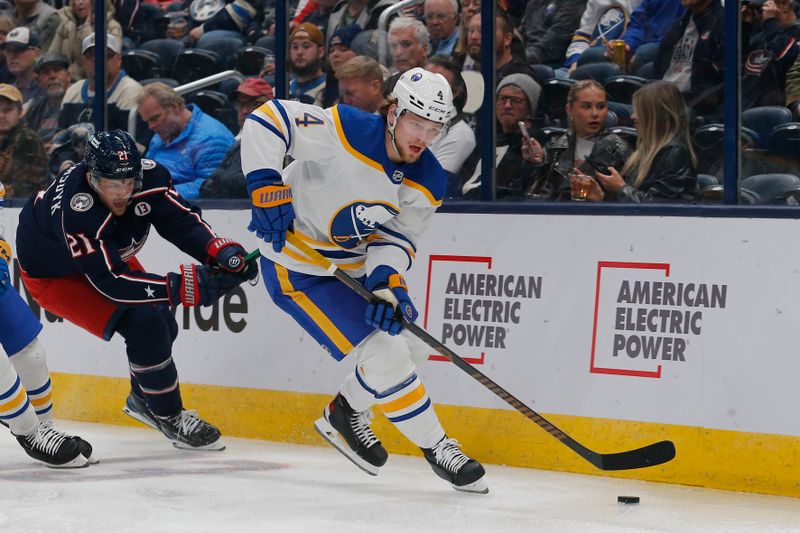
point(361, 190)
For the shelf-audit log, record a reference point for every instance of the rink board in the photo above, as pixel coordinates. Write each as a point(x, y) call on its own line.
point(622, 330)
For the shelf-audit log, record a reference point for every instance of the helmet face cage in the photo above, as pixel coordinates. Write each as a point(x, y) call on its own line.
point(113, 155)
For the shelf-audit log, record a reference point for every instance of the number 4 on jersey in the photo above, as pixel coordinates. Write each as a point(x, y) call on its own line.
point(308, 120)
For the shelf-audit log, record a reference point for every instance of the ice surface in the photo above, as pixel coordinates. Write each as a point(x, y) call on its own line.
point(142, 484)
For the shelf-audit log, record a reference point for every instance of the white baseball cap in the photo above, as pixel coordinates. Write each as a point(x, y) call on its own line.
point(112, 43)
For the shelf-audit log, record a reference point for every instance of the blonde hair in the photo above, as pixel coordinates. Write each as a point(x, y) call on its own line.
point(161, 93)
point(662, 116)
point(361, 67)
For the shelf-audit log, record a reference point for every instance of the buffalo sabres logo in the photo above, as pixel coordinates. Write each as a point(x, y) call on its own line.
point(81, 202)
point(416, 77)
point(355, 222)
point(142, 209)
point(612, 24)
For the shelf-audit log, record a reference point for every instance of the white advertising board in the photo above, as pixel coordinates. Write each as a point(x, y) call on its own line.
point(686, 321)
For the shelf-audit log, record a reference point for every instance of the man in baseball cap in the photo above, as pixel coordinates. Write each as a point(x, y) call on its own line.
point(306, 52)
point(52, 75)
point(227, 180)
point(21, 48)
point(112, 43)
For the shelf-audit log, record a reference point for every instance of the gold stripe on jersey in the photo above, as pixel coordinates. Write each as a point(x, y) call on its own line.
point(423, 190)
point(267, 110)
point(311, 309)
point(346, 144)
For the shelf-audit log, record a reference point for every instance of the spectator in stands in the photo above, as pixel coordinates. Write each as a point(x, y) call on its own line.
point(306, 52)
point(188, 142)
point(121, 89)
point(505, 62)
point(601, 22)
point(52, 75)
point(21, 48)
point(238, 16)
point(339, 53)
point(39, 17)
point(468, 9)
point(770, 33)
point(470, 59)
point(6, 25)
point(453, 148)
point(76, 23)
point(361, 84)
point(548, 27)
point(362, 13)
point(585, 145)
point(23, 162)
point(409, 43)
point(441, 19)
point(662, 168)
point(227, 180)
point(517, 97)
point(690, 56)
point(649, 21)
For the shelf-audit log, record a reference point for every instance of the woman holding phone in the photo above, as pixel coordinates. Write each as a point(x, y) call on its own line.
point(662, 168)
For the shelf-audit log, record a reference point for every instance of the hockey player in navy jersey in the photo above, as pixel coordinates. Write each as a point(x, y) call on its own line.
point(26, 398)
point(361, 190)
point(77, 241)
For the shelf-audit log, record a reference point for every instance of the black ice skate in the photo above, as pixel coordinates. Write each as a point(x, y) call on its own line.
point(53, 448)
point(136, 408)
point(86, 448)
point(188, 431)
point(360, 444)
point(450, 464)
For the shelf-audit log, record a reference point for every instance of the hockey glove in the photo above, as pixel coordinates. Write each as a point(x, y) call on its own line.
point(391, 303)
point(226, 254)
point(272, 211)
point(201, 285)
point(5, 258)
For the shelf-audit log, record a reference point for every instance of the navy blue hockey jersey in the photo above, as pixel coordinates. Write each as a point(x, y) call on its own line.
point(66, 230)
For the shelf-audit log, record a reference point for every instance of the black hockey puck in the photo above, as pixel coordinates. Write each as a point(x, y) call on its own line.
point(628, 499)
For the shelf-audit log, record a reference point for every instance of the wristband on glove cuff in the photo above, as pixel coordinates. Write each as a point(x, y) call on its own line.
point(271, 195)
point(190, 291)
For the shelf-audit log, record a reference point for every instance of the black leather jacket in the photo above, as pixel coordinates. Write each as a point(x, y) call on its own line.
point(672, 178)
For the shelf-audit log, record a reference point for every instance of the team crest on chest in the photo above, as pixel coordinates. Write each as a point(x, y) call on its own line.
point(142, 208)
point(81, 202)
point(355, 222)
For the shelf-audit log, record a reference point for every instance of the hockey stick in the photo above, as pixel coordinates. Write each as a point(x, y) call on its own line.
point(651, 455)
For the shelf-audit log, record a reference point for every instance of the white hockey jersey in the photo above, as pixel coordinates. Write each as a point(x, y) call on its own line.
point(352, 203)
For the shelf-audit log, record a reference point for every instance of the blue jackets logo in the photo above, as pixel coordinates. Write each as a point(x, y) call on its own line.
point(357, 221)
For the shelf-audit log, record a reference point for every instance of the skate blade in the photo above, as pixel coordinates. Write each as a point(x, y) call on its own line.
point(216, 446)
point(476, 487)
point(92, 460)
point(143, 419)
point(79, 462)
point(325, 429)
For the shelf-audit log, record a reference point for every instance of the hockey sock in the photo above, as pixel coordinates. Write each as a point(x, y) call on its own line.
point(148, 339)
point(15, 408)
point(409, 408)
point(357, 393)
point(31, 365)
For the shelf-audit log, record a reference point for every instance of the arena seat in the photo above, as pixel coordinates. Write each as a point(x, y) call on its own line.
point(542, 73)
point(621, 88)
point(250, 59)
point(630, 135)
point(764, 119)
point(599, 72)
point(774, 188)
point(194, 64)
point(785, 140)
point(140, 64)
point(555, 94)
point(225, 44)
point(167, 50)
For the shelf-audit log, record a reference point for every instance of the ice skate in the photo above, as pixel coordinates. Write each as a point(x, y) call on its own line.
point(360, 445)
point(86, 448)
point(188, 431)
point(136, 408)
point(53, 448)
point(450, 464)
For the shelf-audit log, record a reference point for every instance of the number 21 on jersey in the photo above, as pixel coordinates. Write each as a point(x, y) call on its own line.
point(79, 244)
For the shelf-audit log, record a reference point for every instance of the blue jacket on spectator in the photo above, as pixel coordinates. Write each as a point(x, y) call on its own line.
point(650, 20)
point(195, 152)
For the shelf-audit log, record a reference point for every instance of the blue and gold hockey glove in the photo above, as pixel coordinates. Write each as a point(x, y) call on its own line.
point(5, 259)
point(391, 302)
point(226, 254)
point(272, 211)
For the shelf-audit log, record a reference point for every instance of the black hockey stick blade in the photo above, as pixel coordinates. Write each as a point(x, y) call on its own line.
point(652, 455)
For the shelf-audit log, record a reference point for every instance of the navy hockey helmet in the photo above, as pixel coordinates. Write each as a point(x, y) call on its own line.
point(113, 155)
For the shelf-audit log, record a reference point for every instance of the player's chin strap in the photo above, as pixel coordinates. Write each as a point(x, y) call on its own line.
point(391, 128)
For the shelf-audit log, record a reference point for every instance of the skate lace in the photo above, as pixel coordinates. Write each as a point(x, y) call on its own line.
point(187, 421)
point(359, 422)
point(449, 455)
point(46, 439)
